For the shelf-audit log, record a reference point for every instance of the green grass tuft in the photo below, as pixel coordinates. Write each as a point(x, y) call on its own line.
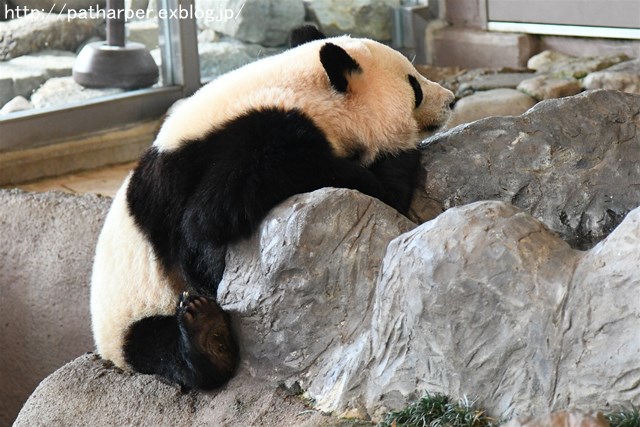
point(437, 410)
point(624, 417)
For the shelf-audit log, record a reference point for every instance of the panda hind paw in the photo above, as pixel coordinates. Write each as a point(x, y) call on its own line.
point(196, 312)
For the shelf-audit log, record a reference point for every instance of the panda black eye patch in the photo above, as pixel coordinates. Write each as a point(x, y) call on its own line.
point(417, 90)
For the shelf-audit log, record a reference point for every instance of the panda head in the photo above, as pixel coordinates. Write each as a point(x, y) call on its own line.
point(366, 97)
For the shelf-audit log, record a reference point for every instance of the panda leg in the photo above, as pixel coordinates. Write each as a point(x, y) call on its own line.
point(194, 348)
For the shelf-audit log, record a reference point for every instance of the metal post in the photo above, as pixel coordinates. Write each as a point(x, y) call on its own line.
point(116, 63)
point(115, 23)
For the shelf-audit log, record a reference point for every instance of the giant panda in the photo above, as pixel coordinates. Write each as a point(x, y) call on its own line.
point(337, 112)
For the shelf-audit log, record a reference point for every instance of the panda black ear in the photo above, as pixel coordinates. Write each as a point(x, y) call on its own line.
point(338, 65)
point(304, 34)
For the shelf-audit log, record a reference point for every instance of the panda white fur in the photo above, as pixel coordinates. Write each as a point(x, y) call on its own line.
point(337, 112)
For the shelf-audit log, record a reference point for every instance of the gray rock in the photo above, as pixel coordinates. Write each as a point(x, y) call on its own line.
point(19, 103)
point(547, 87)
point(360, 18)
point(60, 6)
point(560, 65)
point(225, 55)
point(486, 301)
point(19, 81)
point(571, 162)
point(64, 90)
point(54, 63)
point(47, 242)
point(624, 77)
point(544, 60)
point(90, 392)
point(320, 253)
point(265, 22)
point(492, 81)
point(600, 350)
point(145, 32)
point(38, 31)
point(483, 284)
point(496, 102)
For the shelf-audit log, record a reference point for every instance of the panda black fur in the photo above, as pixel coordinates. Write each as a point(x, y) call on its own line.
point(220, 163)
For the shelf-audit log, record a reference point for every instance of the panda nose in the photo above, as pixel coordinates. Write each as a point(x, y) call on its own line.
point(452, 103)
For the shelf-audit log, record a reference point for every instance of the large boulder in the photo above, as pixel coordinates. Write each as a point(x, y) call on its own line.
point(360, 18)
point(91, 392)
point(265, 22)
point(38, 31)
point(47, 242)
point(573, 163)
point(624, 77)
point(506, 311)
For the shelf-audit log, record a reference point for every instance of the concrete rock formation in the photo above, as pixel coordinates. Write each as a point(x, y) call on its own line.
point(360, 18)
point(624, 77)
point(572, 162)
point(47, 244)
point(547, 87)
point(340, 296)
point(39, 31)
point(266, 22)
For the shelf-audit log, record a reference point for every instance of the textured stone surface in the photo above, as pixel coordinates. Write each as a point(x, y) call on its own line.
point(496, 102)
point(46, 250)
point(560, 65)
point(22, 75)
point(64, 90)
point(38, 31)
point(492, 81)
point(360, 18)
point(547, 87)
point(88, 392)
point(145, 32)
point(18, 81)
point(501, 315)
point(223, 56)
point(55, 63)
point(484, 301)
point(317, 257)
point(573, 162)
point(624, 77)
point(544, 60)
point(485, 295)
point(266, 22)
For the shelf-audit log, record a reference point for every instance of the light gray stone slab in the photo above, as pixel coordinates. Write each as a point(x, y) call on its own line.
point(560, 65)
point(571, 162)
point(39, 31)
point(496, 102)
point(547, 87)
point(265, 22)
point(360, 18)
point(624, 77)
point(64, 90)
point(54, 63)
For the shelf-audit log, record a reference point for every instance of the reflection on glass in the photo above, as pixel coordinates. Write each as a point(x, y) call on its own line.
point(39, 42)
